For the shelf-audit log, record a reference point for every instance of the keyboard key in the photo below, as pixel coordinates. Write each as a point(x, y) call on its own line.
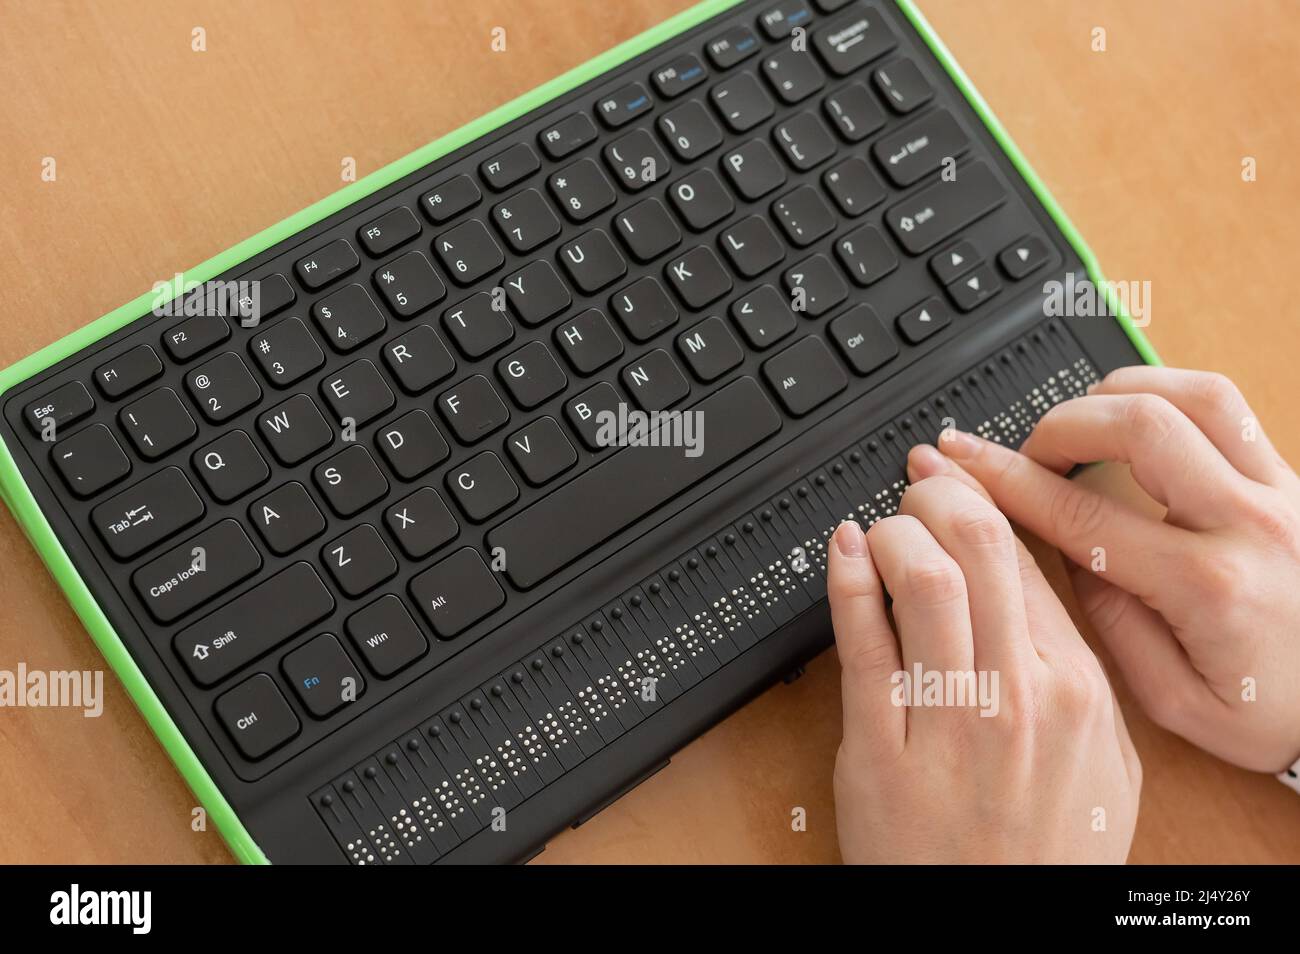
point(286, 352)
point(421, 523)
point(193, 336)
point(701, 200)
point(803, 216)
point(536, 293)
point(902, 85)
point(477, 326)
point(925, 219)
point(468, 252)
point(350, 481)
point(741, 102)
point(531, 375)
point(690, 130)
point(754, 169)
point(710, 350)
point(473, 409)
point(418, 359)
point(157, 423)
point(853, 112)
point(918, 323)
point(257, 717)
point(698, 277)
point(643, 309)
point(327, 264)
point(505, 169)
point(541, 451)
point(323, 676)
point(526, 221)
point(731, 47)
point(193, 572)
point(647, 230)
point(971, 291)
point(1023, 257)
point(90, 460)
point(446, 201)
point(409, 284)
point(792, 74)
point(62, 406)
point(358, 561)
point(348, 318)
point(637, 161)
point(815, 286)
point(456, 593)
point(357, 393)
point(286, 518)
point(389, 230)
point(274, 295)
point(294, 430)
point(916, 150)
point(127, 371)
point(763, 316)
point(582, 190)
point(148, 512)
point(752, 246)
point(589, 342)
point(853, 186)
point(954, 262)
point(265, 616)
point(567, 136)
point(779, 21)
point(222, 387)
point(676, 77)
point(386, 636)
point(412, 444)
point(805, 375)
point(482, 487)
point(586, 411)
point(866, 256)
point(655, 382)
point(230, 466)
point(592, 261)
point(852, 40)
point(863, 340)
point(804, 141)
point(624, 105)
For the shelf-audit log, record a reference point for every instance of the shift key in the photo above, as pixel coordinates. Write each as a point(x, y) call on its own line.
point(925, 219)
point(193, 572)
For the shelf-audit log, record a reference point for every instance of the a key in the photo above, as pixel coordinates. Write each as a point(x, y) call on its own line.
point(327, 264)
point(409, 284)
point(230, 466)
point(157, 423)
point(477, 326)
point(902, 85)
point(412, 444)
point(193, 336)
point(350, 481)
point(525, 220)
point(286, 518)
point(754, 169)
point(863, 340)
point(506, 168)
point(709, 349)
point(536, 293)
point(972, 290)
point(531, 375)
point(390, 230)
point(763, 316)
point(448, 200)
point(677, 76)
point(690, 130)
point(853, 112)
point(323, 676)
point(741, 102)
point(133, 520)
point(586, 411)
point(286, 352)
point(866, 256)
point(954, 261)
point(567, 136)
point(222, 387)
point(90, 460)
point(357, 393)
point(193, 572)
point(62, 406)
point(456, 593)
point(921, 321)
point(482, 487)
point(926, 218)
point(655, 382)
point(468, 252)
point(852, 40)
point(294, 430)
point(541, 451)
point(921, 147)
point(358, 561)
point(257, 717)
point(698, 277)
point(473, 409)
point(805, 375)
point(418, 359)
point(1024, 257)
point(814, 286)
point(701, 199)
point(592, 261)
point(752, 246)
point(582, 190)
point(804, 141)
point(647, 230)
point(643, 309)
point(348, 318)
point(128, 371)
point(853, 186)
point(386, 636)
point(793, 74)
point(636, 160)
point(421, 523)
point(728, 49)
point(589, 342)
point(624, 105)
point(803, 216)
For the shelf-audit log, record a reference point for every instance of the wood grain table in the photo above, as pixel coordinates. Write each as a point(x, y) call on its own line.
point(165, 156)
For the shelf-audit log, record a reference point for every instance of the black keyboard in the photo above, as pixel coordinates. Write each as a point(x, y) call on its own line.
point(488, 492)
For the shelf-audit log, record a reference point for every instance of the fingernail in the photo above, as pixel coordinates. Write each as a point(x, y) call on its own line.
point(850, 540)
point(924, 461)
point(959, 444)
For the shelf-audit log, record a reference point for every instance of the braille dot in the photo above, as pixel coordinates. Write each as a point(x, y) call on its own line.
point(729, 539)
point(941, 401)
point(454, 718)
point(692, 563)
point(655, 587)
point(674, 575)
point(820, 480)
point(747, 527)
point(1022, 347)
point(597, 625)
point(958, 390)
point(413, 744)
point(557, 651)
point(538, 665)
point(616, 612)
point(873, 445)
point(765, 516)
point(710, 551)
point(1038, 337)
point(889, 434)
point(327, 800)
point(577, 639)
point(498, 690)
point(801, 492)
point(923, 413)
point(1006, 359)
point(391, 758)
point(476, 704)
point(349, 786)
point(837, 468)
point(784, 503)
point(636, 599)
point(855, 456)
point(516, 677)
point(988, 370)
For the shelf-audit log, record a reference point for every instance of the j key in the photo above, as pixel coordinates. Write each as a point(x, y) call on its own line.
point(531, 375)
point(733, 46)
point(294, 430)
point(866, 256)
point(589, 341)
point(654, 381)
point(701, 200)
point(805, 375)
point(286, 518)
point(357, 393)
point(468, 252)
point(348, 318)
point(274, 295)
point(804, 141)
point(918, 323)
point(710, 350)
point(754, 169)
point(592, 261)
point(90, 460)
point(128, 371)
point(925, 219)
point(698, 277)
point(193, 572)
point(319, 671)
point(222, 387)
point(738, 417)
point(675, 78)
point(741, 102)
point(541, 451)
point(193, 336)
point(778, 21)
point(64, 405)
point(916, 150)
point(647, 230)
point(389, 230)
point(636, 160)
point(230, 466)
point(421, 523)
point(350, 481)
point(526, 220)
point(793, 74)
point(582, 190)
point(902, 85)
point(854, 112)
point(409, 284)
point(752, 246)
point(473, 409)
point(644, 309)
point(257, 717)
point(507, 168)
point(852, 40)
point(814, 286)
point(418, 359)
point(264, 617)
point(536, 293)
point(623, 105)
point(477, 326)
point(586, 411)
point(482, 487)
point(358, 561)
point(286, 352)
point(954, 262)
point(386, 636)
point(140, 516)
point(863, 340)
point(412, 444)
point(567, 136)
point(326, 264)
point(763, 317)
point(450, 199)
point(157, 423)
point(971, 291)
point(1023, 257)
point(690, 130)
point(456, 593)
point(853, 186)
point(803, 216)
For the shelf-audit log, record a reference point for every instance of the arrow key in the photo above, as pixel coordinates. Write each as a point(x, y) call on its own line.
point(952, 263)
point(1023, 257)
point(921, 321)
point(974, 289)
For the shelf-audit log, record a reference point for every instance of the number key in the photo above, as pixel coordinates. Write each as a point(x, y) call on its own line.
point(222, 387)
point(409, 284)
point(157, 423)
point(286, 352)
point(348, 318)
point(468, 252)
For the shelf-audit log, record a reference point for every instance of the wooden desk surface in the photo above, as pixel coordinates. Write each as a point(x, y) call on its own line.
point(166, 156)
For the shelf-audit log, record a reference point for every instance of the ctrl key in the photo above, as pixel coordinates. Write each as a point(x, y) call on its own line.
point(257, 716)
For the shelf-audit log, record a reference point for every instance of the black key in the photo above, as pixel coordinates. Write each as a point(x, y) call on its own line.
point(763, 316)
point(701, 200)
point(152, 510)
point(587, 410)
point(804, 140)
point(592, 261)
point(348, 318)
point(456, 593)
point(473, 409)
point(582, 190)
point(754, 169)
point(752, 246)
point(805, 375)
point(690, 130)
point(412, 444)
point(676, 77)
point(567, 136)
point(779, 21)
point(698, 277)
point(647, 230)
point(273, 295)
point(526, 220)
point(854, 112)
point(286, 518)
point(450, 199)
point(389, 230)
point(541, 451)
point(257, 717)
point(1023, 257)
point(737, 418)
point(482, 487)
point(64, 405)
point(803, 216)
point(323, 676)
point(814, 286)
point(350, 481)
point(733, 46)
point(386, 636)
point(536, 293)
point(852, 40)
point(636, 160)
point(222, 387)
point(234, 635)
point(863, 340)
point(477, 326)
point(926, 218)
point(643, 309)
point(90, 460)
point(326, 264)
point(624, 105)
point(421, 523)
point(531, 375)
point(902, 85)
point(358, 560)
point(193, 336)
point(128, 371)
point(230, 466)
point(286, 352)
point(919, 322)
point(866, 256)
point(357, 393)
point(468, 252)
point(508, 167)
point(193, 572)
point(654, 381)
point(409, 284)
point(418, 359)
point(916, 150)
point(954, 262)
point(157, 423)
point(589, 342)
point(972, 290)
point(709, 349)
point(853, 186)
point(294, 430)
point(741, 102)
point(793, 74)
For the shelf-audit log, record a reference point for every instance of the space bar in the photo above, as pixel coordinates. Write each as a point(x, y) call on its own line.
point(626, 486)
